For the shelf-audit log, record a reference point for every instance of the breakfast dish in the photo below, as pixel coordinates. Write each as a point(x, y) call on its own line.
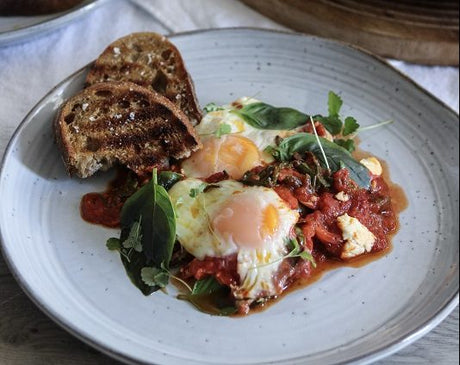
point(351, 314)
point(238, 218)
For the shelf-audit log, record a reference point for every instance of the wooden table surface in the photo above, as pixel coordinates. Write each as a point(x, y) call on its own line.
point(27, 336)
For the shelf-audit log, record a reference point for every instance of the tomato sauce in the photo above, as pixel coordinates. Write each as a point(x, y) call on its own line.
point(105, 208)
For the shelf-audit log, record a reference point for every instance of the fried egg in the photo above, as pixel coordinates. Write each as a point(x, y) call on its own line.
point(230, 218)
point(240, 149)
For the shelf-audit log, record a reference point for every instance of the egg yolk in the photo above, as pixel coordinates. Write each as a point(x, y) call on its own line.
point(246, 221)
point(233, 154)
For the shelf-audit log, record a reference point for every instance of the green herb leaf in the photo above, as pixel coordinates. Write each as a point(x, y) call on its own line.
point(350, 126)
point(194, 192)
point(265, 116)
point(348, 144)
point(332, 123)
point(334, 104)
point(223, 129)
point(155, 277)
point(167, 179)
point(212, 107)
point(206, 286)
point(113, 244)
point(337, 156)
point(134, 239)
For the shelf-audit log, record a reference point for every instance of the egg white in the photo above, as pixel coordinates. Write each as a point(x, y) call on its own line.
point(256, 266)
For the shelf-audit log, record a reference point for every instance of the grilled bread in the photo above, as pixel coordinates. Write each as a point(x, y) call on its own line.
point(149, 60)
point(121, 123)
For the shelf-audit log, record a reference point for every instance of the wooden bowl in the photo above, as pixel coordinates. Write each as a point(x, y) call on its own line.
point(420, 31)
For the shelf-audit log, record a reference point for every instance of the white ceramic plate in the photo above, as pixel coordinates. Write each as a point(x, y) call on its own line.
point(21, 28)
point(349, 315)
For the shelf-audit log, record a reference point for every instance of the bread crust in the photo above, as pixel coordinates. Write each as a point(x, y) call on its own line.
point(152, 61)
point(121, 123)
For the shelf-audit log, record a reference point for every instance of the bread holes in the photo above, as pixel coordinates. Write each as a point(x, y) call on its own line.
point(93, 144)
point(103, 93)
point(143, 103)
point(69, 118)
point(166, 54)
point(125, 104)
point(76, 107)
point(160, 82)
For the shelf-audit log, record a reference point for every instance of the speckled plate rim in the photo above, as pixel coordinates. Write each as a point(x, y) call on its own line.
point(399, 343)
point(23, 34)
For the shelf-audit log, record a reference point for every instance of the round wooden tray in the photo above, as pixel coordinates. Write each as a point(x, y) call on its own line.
point(420, 31)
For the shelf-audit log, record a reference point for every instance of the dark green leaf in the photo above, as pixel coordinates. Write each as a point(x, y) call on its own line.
point(113, 244)
point(159, 246)
point(155, 277)
point(337, 156)
point(348, 144)
point(332, 123)
point(167, 179)
point(206, 286)
point(350, 126)
point(134, 263)
point(152, 206)
point(334, 104)
point(265, 116)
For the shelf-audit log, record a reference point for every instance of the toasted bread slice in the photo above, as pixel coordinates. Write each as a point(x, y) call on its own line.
point(152, 61)
point(121, 122)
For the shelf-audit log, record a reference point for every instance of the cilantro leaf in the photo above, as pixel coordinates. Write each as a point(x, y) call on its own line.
point(350, 126)
point(334, 104)
point(332, 123)
point(153, 276)
point(348, 144)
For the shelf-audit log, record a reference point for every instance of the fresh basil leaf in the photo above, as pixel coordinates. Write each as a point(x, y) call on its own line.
point(113, 244)
point(334, 104)
point(332, 123)
point(206, 286)
point(158, 222)
point(134, 239)
point(163, 229)
point(337, 156)
point(212, 107)
point(348, 144)
point(167, 179)
point(223, 129)
point(155, 277)
point(350, 126)
point(265, 116)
